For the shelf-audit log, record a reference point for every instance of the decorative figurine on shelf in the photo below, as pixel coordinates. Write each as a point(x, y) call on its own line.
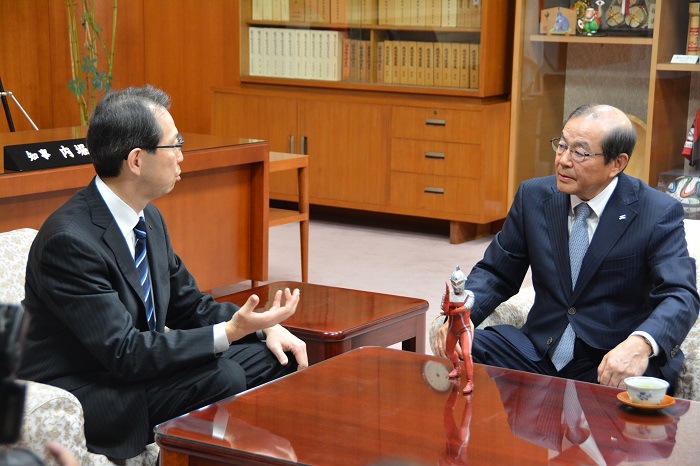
point(591, 23)
point(456, 305)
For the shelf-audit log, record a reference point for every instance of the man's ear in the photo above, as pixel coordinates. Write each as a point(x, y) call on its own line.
point(134, 159)
point(620, 163)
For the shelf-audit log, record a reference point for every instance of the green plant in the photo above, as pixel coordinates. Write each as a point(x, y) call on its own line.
point(87, 83)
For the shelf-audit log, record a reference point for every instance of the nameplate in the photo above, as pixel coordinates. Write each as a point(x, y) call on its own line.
point(685, 59)
point(46, 155)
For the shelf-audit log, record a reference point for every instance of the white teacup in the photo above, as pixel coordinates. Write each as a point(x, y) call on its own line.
point(646, 390)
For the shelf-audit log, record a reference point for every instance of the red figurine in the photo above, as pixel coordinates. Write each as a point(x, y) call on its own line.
point(456, 305)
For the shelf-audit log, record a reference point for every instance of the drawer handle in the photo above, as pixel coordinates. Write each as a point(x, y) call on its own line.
point(434, 122)
point(434, 190)
point(434, 155)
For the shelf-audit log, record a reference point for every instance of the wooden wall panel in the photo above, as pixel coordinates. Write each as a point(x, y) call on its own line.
point(185, 47)
point(193, 48)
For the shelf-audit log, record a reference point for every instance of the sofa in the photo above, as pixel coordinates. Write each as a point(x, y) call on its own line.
point(514, 312)
point(50, 413)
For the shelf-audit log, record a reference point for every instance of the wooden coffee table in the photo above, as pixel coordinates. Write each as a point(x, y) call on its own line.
point(335, 320)
point(375, 406)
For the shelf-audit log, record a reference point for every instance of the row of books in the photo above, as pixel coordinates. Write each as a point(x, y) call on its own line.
point(428, 13)
point(331, 56)
point(438, 64)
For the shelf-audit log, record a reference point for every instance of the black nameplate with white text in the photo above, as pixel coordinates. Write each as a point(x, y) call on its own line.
point(45, 155)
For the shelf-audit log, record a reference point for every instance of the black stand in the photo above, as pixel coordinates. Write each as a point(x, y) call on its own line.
point(6, 107)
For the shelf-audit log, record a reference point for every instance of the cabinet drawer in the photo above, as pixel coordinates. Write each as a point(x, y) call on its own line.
point(434, 124)
point(436, 158)
point(435, 193)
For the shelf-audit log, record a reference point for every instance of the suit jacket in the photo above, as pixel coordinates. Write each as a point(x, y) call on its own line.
point(88, 332)
point(636, 274)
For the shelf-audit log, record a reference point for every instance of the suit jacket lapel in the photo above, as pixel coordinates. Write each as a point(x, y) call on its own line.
point(556, 210)
point(617, 217)
point(114, 239)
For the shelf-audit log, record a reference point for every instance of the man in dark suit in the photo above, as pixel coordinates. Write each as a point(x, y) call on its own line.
point(627, 307)
point(91, 330)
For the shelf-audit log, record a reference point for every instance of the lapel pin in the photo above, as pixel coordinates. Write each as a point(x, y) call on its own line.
point(622, 217)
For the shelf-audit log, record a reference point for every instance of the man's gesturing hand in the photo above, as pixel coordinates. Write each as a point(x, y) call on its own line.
point(247, 320)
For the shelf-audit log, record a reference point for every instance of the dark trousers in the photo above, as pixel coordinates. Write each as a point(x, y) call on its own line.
point(491, 348)
point(239, 368)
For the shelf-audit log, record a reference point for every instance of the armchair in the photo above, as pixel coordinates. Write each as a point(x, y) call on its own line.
point(50, 413)
point(514, 312)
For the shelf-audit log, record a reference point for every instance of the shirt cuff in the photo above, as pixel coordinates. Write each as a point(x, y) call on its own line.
point(650, 340)
point(220, 339)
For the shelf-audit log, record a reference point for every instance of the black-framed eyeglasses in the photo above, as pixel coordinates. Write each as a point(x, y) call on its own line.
point(178, 146)
point(180, 141)
point(578, 155)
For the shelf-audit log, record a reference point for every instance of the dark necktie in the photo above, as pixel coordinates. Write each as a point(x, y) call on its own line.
point(142, 268)
point(578, 245)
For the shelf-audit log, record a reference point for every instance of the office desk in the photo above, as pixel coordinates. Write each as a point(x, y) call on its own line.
point(223, 192)
point(373, 406)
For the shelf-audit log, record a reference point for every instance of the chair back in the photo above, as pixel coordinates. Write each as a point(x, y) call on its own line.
point(14, 250)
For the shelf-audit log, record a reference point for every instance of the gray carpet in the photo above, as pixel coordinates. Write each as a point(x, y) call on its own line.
point(376, 257)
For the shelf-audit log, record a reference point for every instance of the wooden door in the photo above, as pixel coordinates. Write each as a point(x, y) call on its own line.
point(348, 148)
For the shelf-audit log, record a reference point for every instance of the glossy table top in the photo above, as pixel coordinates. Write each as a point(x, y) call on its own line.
point(373, 406)
point(332, 312)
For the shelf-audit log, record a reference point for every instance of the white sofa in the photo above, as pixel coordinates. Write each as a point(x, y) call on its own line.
point(50, 413)
point(514, 312)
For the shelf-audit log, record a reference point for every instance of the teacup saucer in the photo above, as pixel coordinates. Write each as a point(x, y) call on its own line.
point(665, 403)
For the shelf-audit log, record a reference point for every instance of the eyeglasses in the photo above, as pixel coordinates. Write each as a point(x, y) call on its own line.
point(178, 146)
point(180, 141)
point(578, 155)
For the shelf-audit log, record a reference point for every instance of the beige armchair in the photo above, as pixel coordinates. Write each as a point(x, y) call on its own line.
point(50, 413)
point(514, 312)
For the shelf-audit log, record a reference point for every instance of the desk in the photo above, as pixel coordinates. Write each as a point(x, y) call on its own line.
point(335, 320)
point(224, 184)
point(372, 406)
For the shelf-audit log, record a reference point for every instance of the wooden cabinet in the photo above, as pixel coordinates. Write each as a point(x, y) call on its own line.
point(552, 75)
point(377, 141)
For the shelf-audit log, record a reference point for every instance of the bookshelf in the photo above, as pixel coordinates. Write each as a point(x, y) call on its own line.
point(326, 43)
point(426, 151)
point(552, 75)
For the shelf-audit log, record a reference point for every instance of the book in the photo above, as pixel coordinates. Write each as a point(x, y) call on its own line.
point(284, 12)
point(474, 66)
point(345, 73)
point(383, 12)
point(388, 60)
point(437, 64)
point(464, 66)
point(369, 59)
point(411, 62)
point(420, 63)
point(339, 12)
point(361, 57)
point(354, 65)
point(449, 13)
point(310, 11)
point(354, 11)
point(463, 13)
point(396, 62)
point(276, 10)
point(368, 13)
point(267, 9)
point(475, 17)
point(454, 65)
point(446, 55)
point(403, 62)
point(257, 13)
point(433, 13)
point(323, 11)
point(297, 10)
point(380, 63)
point(420, 12)
point(429, 57)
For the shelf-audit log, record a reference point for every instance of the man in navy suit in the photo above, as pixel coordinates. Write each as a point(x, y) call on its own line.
point(634, 299)
point(90, 332)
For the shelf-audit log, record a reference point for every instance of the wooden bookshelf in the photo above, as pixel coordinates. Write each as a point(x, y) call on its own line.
point(372, 145)
point(552, 75)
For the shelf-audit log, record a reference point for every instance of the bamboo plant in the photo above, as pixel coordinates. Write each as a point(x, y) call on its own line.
point(87, 83)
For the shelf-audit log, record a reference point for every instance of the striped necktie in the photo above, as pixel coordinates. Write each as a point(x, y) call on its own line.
point(578, 245)
point(142, 269)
